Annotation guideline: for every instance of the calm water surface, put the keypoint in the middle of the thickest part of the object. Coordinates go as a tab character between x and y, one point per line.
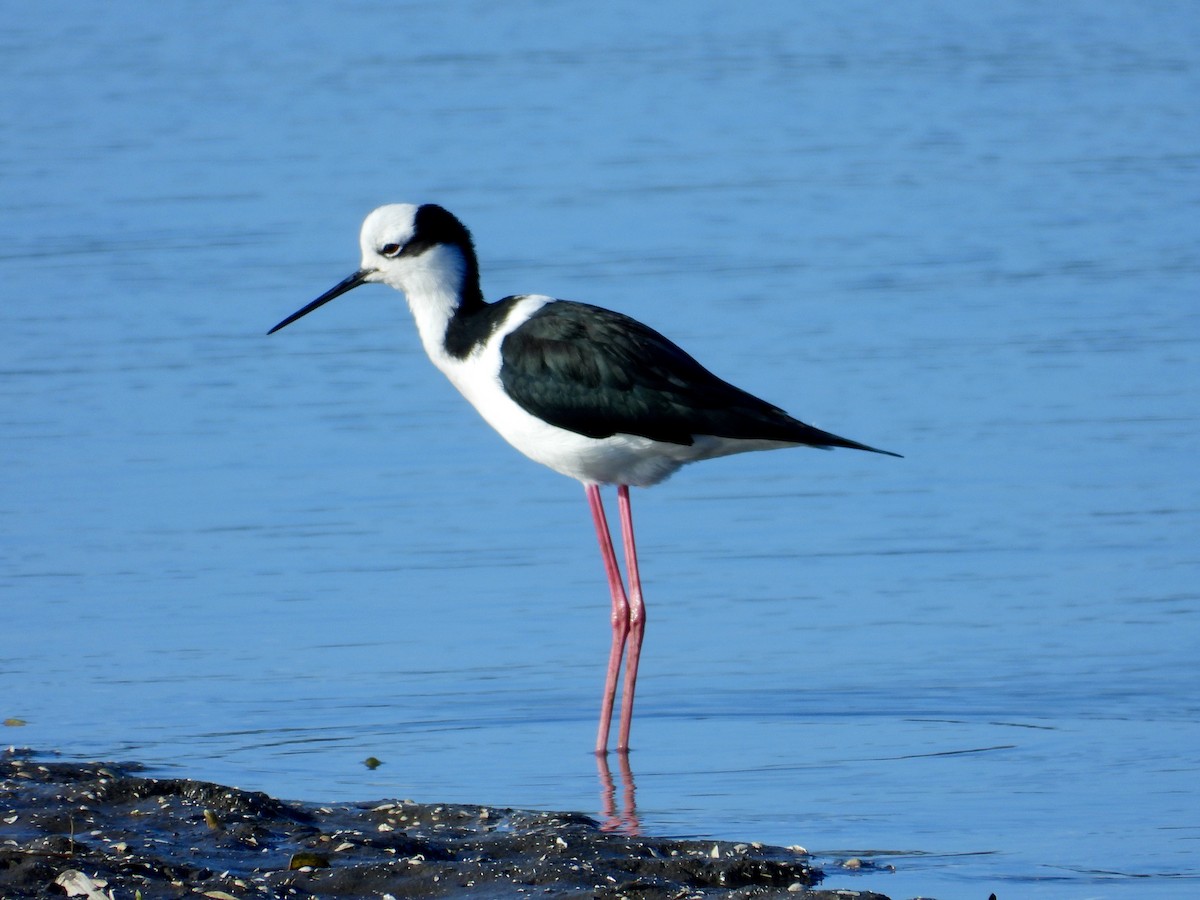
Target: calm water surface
969	236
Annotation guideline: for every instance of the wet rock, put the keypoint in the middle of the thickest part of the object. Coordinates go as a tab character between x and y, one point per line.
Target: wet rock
112	825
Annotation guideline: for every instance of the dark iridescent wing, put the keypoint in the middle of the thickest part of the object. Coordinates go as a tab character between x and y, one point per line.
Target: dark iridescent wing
599	373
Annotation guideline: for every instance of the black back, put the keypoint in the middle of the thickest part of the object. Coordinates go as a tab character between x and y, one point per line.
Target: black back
600	373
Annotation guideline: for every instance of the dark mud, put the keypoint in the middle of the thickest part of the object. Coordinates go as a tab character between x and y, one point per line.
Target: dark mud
104	830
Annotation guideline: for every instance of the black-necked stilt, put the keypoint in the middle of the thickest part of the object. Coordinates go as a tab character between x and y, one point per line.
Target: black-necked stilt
588	392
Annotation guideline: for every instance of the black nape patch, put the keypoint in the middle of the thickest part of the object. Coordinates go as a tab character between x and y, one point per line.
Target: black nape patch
433	225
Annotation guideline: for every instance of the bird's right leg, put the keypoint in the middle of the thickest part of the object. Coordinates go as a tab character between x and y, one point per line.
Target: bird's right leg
620	614
636	618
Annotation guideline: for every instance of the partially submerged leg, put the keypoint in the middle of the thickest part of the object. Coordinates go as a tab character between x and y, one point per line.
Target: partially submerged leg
620	618
636	618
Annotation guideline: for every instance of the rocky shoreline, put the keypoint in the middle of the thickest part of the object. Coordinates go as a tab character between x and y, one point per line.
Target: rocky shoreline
107	830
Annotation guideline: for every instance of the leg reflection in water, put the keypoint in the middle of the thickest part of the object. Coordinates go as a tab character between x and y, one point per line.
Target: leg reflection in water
625	822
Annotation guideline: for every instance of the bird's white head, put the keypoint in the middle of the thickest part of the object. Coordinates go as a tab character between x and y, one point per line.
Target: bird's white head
385	232
423	251
416	249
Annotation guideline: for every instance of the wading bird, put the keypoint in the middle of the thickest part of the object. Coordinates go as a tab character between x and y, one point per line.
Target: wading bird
589	392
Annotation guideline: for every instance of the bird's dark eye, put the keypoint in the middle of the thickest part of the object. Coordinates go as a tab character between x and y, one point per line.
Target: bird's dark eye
389	249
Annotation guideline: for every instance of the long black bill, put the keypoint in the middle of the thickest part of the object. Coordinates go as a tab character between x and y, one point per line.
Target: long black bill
346	284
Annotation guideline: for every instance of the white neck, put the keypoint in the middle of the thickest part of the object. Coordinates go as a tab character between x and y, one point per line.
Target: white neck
433	288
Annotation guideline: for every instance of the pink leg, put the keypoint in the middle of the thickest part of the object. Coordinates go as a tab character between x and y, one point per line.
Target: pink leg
637	618
620	614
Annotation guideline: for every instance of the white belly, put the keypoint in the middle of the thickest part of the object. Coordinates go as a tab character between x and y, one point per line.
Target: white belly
620	459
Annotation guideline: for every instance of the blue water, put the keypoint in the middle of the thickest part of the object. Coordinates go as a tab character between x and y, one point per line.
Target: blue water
966	234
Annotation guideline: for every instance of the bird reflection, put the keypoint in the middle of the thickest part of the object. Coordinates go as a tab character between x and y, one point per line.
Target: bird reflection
626	821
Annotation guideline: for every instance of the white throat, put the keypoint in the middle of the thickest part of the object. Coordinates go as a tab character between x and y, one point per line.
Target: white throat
432	284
